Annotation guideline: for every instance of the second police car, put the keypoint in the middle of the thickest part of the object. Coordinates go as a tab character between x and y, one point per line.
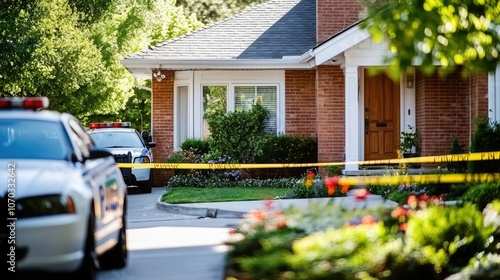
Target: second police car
127	146
63	200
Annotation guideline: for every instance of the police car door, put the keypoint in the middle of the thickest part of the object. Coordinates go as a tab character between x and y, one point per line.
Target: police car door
106	185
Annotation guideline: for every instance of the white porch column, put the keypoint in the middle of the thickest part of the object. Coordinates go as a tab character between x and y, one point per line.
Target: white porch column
352	135
494	95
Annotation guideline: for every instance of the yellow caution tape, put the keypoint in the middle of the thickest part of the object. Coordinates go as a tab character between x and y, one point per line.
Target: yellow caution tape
420	179
427	159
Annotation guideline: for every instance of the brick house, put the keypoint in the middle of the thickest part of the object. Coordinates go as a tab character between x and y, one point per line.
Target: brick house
308	60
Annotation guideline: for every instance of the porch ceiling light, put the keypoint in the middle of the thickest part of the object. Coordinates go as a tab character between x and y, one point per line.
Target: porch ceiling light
158	75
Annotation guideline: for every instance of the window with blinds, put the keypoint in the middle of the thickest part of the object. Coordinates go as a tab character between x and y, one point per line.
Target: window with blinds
246	96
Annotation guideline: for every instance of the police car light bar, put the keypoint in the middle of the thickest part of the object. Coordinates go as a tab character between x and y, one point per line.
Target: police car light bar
109	124
33	103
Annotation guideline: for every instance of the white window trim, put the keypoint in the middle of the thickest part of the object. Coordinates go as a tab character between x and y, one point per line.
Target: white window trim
176	110
231	79
231	100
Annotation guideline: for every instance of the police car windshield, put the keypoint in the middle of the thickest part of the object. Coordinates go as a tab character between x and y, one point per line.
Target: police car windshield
116	139
33	139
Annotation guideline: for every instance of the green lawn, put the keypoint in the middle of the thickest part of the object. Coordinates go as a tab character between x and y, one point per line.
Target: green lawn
194	195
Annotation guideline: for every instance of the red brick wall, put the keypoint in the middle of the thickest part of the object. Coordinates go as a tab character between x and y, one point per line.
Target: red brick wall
479	98
443	110
333	16
330	104
163	124
300	103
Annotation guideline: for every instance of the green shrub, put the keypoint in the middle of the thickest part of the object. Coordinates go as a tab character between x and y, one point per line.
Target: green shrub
288	149
237	135
482	194
457	148
197	146
486	138
197	180
447	237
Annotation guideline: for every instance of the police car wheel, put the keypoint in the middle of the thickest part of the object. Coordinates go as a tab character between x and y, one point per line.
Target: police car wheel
118	255
90	263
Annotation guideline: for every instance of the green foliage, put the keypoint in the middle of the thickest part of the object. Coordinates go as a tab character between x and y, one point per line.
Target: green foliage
199	181
448	237
410	142
455	33
198	146
333	170
486	138
327	244
211	11
457	148
70	51
482	194
288	149
238	135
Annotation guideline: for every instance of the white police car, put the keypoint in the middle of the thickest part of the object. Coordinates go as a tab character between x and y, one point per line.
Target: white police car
127	146
63	200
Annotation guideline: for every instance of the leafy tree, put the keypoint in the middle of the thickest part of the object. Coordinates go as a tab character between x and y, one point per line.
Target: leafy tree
210	11
70	50
451	32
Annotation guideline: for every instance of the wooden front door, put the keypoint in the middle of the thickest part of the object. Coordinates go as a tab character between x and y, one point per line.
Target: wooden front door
381	117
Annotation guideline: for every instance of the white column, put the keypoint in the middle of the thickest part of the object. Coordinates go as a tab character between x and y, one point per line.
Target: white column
494	95
352	134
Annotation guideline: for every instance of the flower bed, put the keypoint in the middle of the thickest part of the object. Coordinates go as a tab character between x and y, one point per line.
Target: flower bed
424	239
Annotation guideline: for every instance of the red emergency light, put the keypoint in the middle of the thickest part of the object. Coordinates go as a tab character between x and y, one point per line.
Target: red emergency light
109	125
32	103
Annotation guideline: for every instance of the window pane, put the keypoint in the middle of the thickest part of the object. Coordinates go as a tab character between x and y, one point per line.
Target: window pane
266	95
246	96
214	97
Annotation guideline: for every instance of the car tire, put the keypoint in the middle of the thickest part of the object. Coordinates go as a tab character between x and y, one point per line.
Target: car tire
118	255
148	185
90	264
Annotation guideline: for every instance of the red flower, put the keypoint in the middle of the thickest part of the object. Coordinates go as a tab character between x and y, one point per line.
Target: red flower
310	175
332	181
331	190
361	194
345	188
399	212
403	227
368	220
412	201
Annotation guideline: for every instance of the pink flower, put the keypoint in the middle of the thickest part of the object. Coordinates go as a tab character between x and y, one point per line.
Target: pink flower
361	194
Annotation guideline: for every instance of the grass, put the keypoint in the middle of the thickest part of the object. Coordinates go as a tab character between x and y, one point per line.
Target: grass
196	195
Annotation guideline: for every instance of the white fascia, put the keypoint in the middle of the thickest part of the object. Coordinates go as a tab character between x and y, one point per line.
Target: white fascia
339	44
329	50
142	67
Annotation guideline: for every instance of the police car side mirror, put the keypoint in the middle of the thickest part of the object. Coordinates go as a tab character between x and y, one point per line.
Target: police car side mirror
146	136
151	144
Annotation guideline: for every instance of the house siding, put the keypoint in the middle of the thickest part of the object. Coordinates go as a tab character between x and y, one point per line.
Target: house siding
333	16
163	123
446	108
300	103
330	103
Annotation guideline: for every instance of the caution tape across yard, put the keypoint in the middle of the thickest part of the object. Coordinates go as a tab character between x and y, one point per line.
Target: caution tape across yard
427	159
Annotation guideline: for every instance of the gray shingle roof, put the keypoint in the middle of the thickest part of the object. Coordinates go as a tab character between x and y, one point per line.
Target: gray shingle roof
271	30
